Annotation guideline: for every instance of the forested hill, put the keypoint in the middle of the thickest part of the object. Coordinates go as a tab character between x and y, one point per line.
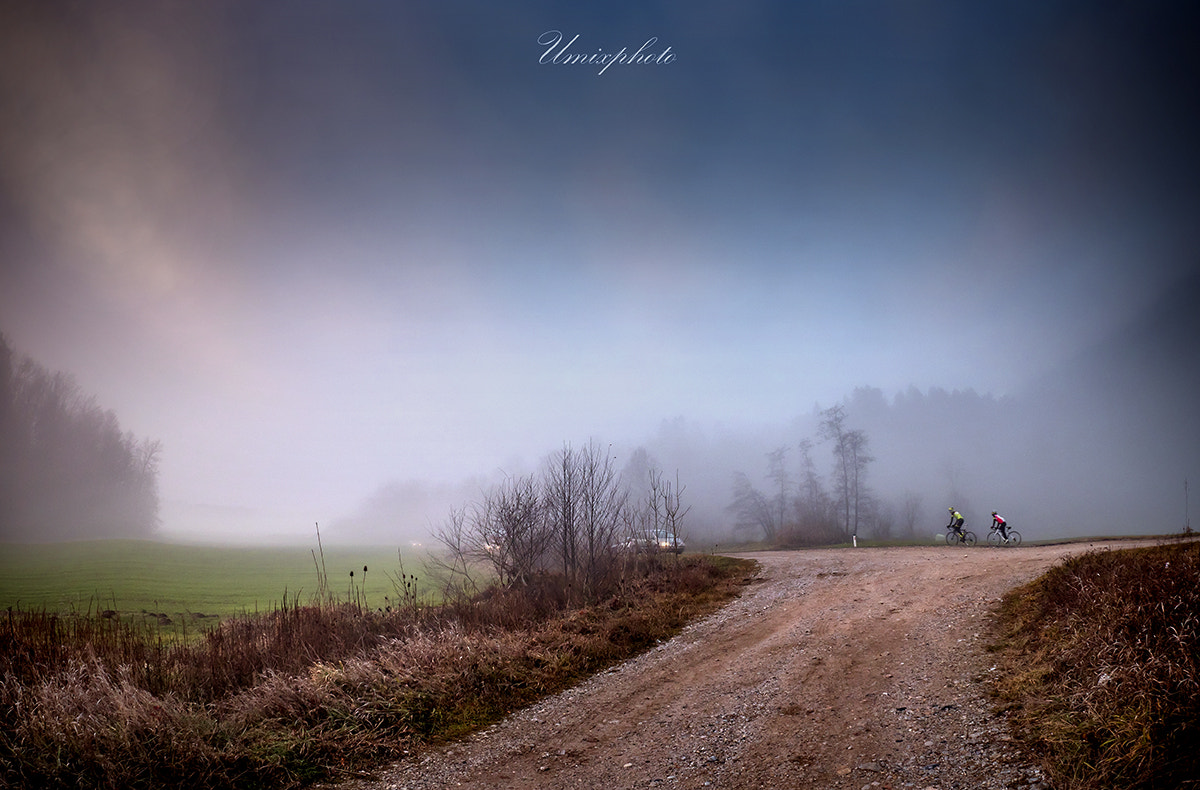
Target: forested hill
1101	445
1151	364
67	470
1128	409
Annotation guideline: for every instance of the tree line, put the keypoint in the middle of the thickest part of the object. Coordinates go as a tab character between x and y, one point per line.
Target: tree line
805	509
67	470
577	520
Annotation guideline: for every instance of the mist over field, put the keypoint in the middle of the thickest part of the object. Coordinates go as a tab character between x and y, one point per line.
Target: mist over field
351	264
1101	446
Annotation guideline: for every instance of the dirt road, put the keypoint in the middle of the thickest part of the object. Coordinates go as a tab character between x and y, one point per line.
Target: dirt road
845	668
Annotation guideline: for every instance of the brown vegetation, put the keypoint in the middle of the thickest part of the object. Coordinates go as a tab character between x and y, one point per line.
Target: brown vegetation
310	691
1102	668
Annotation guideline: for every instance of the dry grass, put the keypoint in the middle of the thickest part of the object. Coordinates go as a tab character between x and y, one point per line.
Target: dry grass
312	691
1101	660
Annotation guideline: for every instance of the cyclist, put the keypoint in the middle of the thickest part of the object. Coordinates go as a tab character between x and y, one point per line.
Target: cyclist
956	523
999	523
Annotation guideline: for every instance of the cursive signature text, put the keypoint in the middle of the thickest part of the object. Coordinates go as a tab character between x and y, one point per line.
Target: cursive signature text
558	53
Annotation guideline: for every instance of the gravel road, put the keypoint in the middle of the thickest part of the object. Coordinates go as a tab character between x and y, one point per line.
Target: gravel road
839	668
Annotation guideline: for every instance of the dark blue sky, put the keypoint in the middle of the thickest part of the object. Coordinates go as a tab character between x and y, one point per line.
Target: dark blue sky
389	224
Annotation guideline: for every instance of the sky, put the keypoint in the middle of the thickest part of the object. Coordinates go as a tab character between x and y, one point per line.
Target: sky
323	248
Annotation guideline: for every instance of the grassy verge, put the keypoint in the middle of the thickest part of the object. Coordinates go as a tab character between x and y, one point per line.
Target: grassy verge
313	691
1100	664
179	587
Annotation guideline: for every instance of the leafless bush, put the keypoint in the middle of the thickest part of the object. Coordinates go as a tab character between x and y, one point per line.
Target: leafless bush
571	524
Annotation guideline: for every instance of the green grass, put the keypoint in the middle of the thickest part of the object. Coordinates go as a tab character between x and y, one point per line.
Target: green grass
134	576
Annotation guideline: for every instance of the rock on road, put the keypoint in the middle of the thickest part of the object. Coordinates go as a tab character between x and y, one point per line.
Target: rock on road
836	668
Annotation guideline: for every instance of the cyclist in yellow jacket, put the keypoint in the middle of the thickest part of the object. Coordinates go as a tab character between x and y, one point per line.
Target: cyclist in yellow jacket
956	522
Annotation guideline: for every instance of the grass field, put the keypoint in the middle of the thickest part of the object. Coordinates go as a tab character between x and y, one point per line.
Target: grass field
187	581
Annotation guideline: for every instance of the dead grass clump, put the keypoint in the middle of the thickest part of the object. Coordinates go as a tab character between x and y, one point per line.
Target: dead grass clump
1102	668
86	727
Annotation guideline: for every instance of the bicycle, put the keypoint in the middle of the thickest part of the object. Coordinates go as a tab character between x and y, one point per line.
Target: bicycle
967	538
994	538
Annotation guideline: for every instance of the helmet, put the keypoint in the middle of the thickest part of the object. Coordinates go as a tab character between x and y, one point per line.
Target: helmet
950	509
993	512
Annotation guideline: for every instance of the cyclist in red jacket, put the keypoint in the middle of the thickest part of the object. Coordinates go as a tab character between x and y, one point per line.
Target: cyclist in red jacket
999	523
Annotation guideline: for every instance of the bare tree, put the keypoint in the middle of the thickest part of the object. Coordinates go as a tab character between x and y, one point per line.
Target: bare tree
562	491
513	530
879	517
850	455
602	500
815	515
637	471
777	473
751	509
454	567
654	502
673	510
506	532
585	499
833	427
571	520
910	510
856	441
660	511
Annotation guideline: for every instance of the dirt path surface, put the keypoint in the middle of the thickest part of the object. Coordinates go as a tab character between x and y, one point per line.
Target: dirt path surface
841	668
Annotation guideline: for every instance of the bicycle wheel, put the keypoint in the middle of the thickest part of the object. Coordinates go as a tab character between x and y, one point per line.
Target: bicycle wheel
951	538
969	538
993	538
1014	538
